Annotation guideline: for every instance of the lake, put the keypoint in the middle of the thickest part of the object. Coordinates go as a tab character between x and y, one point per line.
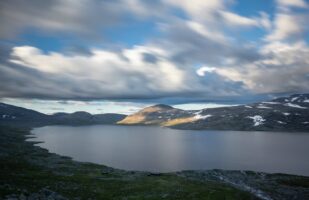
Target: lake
159	149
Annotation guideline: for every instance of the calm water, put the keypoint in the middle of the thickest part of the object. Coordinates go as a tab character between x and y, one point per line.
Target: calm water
163	150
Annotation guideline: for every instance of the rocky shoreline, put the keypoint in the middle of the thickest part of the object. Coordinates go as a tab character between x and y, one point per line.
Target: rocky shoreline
30	172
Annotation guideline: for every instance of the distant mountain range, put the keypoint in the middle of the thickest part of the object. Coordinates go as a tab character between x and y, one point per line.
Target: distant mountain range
13	115
281	114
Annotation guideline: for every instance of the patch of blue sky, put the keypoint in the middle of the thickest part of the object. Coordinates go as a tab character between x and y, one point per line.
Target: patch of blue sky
253	7
253	35
43	41
55	42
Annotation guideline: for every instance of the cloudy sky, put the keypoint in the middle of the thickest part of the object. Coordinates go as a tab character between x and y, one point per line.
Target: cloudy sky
120	55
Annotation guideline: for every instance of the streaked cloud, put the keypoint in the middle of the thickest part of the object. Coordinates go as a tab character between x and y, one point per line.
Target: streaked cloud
292	3
201	49
287	26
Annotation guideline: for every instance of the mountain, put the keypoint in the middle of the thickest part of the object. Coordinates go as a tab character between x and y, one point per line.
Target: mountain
13	115
281	114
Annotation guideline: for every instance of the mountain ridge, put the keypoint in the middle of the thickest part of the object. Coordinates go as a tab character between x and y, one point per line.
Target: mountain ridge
14	115
281	114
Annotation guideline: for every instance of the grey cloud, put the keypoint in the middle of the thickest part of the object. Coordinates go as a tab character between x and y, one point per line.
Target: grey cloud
188	46
77	50
222	85
150	58
282	69
79	17
73	17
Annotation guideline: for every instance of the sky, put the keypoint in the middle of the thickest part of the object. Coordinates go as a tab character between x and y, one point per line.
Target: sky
121	55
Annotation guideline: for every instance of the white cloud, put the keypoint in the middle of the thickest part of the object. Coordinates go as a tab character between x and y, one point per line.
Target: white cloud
292	3
235	19
213	13
286	26
203	70
198	9
214	35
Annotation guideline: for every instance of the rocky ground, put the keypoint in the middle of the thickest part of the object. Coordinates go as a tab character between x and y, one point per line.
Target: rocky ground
30	172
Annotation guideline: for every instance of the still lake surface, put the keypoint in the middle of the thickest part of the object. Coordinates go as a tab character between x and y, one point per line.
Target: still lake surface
164	150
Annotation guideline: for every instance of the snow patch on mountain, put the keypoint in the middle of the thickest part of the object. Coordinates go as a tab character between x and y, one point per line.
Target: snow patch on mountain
263	107
294	105
271	102
257	120
294	99
8	117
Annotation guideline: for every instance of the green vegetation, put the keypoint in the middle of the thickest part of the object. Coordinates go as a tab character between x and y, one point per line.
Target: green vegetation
296	182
